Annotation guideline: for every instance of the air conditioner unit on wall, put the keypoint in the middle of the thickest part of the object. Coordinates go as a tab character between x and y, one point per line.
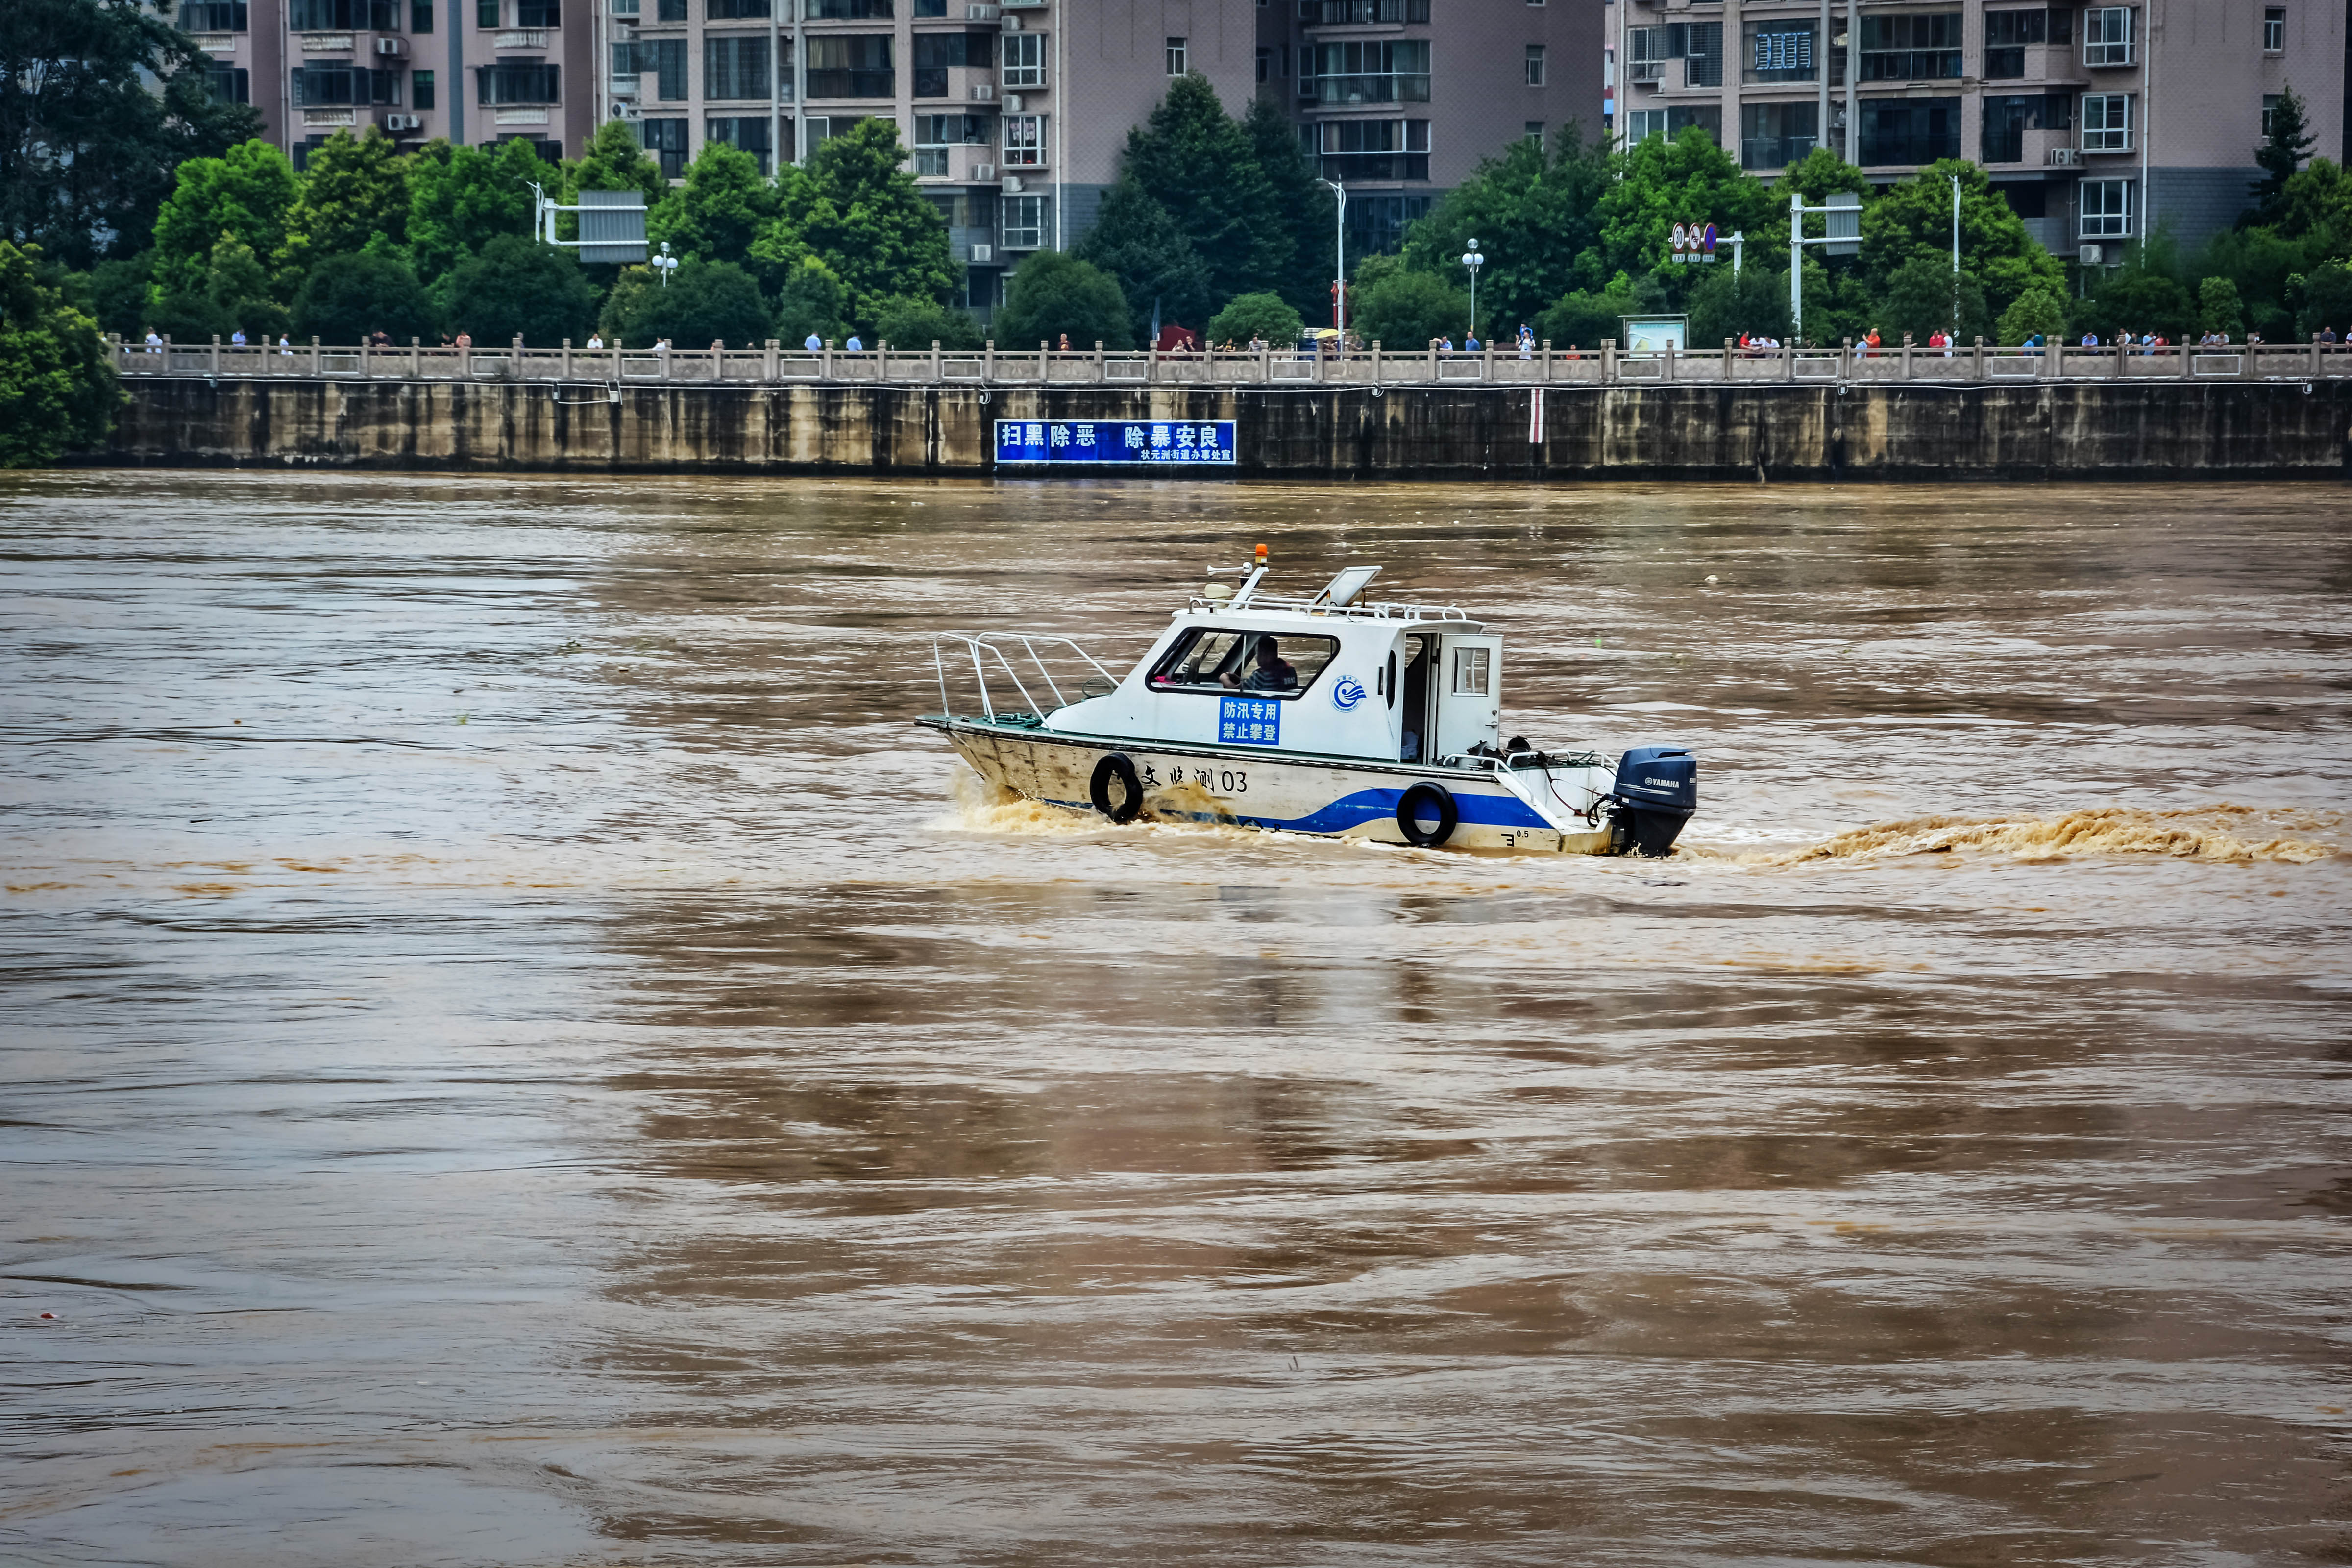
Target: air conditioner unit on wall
1012	185
2091	256
2066	157
1012	103
983	171
979	13
984	253
392	46
403	123
983	92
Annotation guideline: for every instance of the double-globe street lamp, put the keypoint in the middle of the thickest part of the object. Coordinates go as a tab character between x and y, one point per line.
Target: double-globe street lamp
665	263
1472	260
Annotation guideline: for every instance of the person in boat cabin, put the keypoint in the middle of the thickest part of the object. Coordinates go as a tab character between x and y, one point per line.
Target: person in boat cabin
1272	674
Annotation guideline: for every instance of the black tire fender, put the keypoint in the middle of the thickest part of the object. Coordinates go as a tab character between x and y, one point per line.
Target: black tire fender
1114	765
1436	800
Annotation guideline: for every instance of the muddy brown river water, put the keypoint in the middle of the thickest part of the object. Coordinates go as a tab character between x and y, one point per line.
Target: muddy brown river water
516	1052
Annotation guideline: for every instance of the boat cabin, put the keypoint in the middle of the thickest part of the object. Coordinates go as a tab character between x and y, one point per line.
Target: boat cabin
1329	676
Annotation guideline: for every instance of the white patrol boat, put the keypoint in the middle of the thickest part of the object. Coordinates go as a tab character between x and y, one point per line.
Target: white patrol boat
1328	715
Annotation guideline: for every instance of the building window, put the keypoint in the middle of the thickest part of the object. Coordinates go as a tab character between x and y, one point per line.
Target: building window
2106	209
229	84
1377	223
1024	141
1703	55
849	10
665	140
421	93
539	13
336	16
1369	149
625	7
2107	36
734	10
1910	130
486	14
2274	29
1024	60
1025	223
745	132
934	133
517	81
851	65
1778	51
665	58
420	16
735	65
2106	122
215	17
937	53
930	7
1264	64
1774	135
1176	66
2006	34
1920	46
1535	128
1361	13
1640	124
2269	107
2008	116
1367	72
1535	65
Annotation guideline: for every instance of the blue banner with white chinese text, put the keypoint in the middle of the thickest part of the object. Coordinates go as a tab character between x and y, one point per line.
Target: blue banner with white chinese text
1249	720
1114	441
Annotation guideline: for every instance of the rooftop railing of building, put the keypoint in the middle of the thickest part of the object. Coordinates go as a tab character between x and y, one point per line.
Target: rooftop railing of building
575	373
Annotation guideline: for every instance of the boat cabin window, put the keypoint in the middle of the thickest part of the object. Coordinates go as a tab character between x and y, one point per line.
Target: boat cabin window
1470	672
1275	664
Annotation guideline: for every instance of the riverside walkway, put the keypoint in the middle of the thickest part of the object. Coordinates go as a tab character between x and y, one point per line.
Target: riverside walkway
885	364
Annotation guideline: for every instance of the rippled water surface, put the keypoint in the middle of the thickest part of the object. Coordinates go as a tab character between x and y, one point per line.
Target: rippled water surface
517	1052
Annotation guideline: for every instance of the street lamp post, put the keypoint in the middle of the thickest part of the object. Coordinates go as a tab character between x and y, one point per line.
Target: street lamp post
665	263
1472	260
1340	238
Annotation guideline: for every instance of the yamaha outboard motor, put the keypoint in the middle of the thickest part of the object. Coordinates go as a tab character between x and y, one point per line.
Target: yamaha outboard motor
1657	790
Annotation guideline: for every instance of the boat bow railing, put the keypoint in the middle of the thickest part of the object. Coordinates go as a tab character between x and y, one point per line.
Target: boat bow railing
997	651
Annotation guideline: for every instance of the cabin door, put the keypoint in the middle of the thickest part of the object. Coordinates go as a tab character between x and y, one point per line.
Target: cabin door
1467	679
1415	712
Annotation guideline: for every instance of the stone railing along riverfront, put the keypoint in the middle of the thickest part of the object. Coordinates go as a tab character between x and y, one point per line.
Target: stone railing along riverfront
1606	365
1555	415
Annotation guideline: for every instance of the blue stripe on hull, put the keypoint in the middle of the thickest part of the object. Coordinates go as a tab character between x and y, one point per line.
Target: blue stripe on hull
1375	806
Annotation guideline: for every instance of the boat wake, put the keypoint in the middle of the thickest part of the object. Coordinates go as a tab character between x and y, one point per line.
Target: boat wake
2218	834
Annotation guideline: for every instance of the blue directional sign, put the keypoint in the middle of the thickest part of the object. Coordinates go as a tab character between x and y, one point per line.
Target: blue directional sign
1171	441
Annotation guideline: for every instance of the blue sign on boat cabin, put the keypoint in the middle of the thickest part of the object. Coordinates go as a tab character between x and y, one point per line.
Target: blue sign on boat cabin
1115	441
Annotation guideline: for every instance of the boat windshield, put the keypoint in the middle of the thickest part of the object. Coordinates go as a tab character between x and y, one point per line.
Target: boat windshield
1224	660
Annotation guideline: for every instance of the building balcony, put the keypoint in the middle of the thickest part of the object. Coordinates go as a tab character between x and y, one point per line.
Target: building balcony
1348	91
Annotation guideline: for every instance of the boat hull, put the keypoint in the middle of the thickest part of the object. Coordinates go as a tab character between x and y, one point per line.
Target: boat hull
1330	797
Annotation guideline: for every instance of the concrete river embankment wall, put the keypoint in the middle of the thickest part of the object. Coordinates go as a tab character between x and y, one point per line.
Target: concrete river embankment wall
2034	431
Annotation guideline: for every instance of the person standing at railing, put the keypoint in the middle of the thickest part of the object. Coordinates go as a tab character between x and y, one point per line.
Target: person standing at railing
1870	345
1065	344
595	341
465	341
155	342
236	339
855	344
814	344
1527	342
285	349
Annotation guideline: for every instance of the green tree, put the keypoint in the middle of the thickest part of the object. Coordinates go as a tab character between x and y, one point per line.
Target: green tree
1814	177
101	101
56	383
861	211
1052	293
612	162
355	197
2219	309
1262	315
1585	317
1302	202
2318	208
812	301
118	293
1534	217
1158	271
247	193
347	297
2326	300
914	323
234	291
1196	161
1924	296
2138	298
2038	312
1724	305
1914	217
1403	310
1660	183
721	209
515	286
2282	152
703	301
460	198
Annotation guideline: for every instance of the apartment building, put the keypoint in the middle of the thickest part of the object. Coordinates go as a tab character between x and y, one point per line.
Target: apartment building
471	71
1017	111
1399	100
2096	123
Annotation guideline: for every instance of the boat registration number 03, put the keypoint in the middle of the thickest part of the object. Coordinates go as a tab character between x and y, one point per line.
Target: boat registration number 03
1225	781
1249	721
1174	441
